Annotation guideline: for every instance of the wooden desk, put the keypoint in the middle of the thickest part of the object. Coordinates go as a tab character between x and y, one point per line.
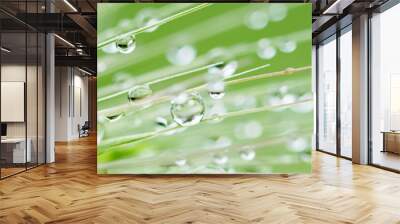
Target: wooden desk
17	150
391	141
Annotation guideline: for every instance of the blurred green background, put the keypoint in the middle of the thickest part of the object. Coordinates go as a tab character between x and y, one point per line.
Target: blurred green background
263	126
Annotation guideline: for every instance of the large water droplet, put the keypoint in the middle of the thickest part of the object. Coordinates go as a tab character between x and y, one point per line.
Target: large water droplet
220	159
216	90
114	117
126	44
287	46
265	49
180	162
257	20
139	92
187	109
277	12
247	153
182	55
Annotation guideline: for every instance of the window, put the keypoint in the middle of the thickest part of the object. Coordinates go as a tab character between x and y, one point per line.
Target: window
385	89
327	96
346	92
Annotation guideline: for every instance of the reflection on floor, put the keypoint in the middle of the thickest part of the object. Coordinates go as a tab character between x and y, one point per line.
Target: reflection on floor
70	191
387	159
8	170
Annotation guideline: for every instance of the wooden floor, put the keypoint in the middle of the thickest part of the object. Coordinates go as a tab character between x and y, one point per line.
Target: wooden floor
70	191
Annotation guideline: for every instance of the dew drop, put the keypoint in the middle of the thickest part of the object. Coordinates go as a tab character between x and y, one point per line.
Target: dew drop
248	130
224	69
257	20
216	90
216	118
216	112
220	159
283	89
151	22
265	50
126	44
124	23
182	55
277	12
298	145
274	101
139	92
288	99
287	46
187	109
245	101
247	153
217	53
180	162
101	66
161	121
110	48
147	18
223	142
304	107
114	117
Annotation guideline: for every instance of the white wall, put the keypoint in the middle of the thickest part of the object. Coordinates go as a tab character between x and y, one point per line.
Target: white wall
69	82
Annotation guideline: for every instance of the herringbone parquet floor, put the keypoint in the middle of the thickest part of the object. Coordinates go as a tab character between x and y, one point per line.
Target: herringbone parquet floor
70	191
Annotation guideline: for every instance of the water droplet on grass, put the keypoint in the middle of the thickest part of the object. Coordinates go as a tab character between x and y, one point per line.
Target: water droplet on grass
220	159
114	117
139	92
161	121
247	153
182	55
180	162
265	50
216	90
248	130
257	20
277	12
224	69
287	46
298	145
110	48
187	109
147	18
126	44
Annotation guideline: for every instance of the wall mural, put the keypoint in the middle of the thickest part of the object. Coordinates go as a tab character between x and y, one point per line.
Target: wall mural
204	88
